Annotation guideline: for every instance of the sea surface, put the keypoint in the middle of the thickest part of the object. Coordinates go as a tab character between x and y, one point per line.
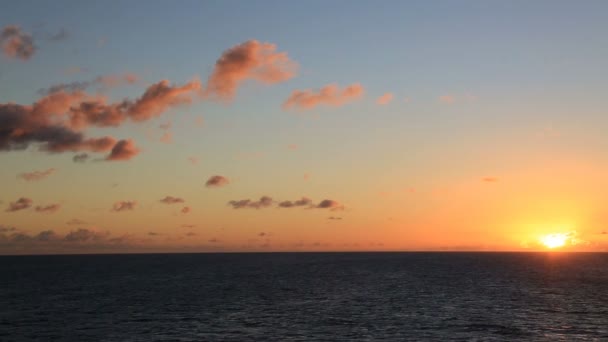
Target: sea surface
305	297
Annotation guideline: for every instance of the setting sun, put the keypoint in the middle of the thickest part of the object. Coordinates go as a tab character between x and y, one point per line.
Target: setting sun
554	240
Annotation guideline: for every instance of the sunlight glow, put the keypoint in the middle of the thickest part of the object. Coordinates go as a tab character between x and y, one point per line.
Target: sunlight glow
554	240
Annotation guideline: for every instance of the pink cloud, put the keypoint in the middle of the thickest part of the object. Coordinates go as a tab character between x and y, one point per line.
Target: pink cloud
385	99
217	181
172	200
123	150
448	99
21	204
490	179
36	175
55	121
16	43
249	60
185	210
329	95
124	205
51	208
167	138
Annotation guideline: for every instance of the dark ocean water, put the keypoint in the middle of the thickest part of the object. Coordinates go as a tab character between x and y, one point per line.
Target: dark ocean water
305	297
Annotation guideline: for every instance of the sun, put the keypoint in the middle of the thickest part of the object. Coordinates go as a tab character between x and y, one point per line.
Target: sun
554	240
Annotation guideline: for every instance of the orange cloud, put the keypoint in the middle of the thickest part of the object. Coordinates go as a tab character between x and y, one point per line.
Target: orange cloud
124	205
329	95
249	60
217	181
172	200
20	204
16	43
385	99
490	179
185	210
51	208
123	150
36	175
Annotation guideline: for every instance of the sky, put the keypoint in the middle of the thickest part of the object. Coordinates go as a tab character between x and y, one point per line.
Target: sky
230	126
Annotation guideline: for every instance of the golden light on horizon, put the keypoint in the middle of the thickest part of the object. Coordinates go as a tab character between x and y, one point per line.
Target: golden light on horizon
554	240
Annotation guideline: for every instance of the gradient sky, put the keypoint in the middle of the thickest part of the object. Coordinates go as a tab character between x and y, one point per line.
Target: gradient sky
393	125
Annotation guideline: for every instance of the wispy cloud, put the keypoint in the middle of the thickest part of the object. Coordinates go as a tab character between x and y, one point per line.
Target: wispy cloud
172	200
329	95
124	206
20	204
36	175
105	82
16	43
49	209
303	202
263	202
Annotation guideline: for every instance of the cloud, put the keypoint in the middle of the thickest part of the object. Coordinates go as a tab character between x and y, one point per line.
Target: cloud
217	181
20	204
124	205
76	222
304	201
251	60
62	34
193	160
490	179
36	175
51	208
157	98
263	202
16	43
6	229
329	95
330	204
123	150
55	122
385	99
167	138
107	81
185	210
80	158
188	225
448	99
153	234
334	218
172	200
84	235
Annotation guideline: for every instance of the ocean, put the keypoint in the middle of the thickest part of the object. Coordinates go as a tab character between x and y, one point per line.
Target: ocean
305	297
